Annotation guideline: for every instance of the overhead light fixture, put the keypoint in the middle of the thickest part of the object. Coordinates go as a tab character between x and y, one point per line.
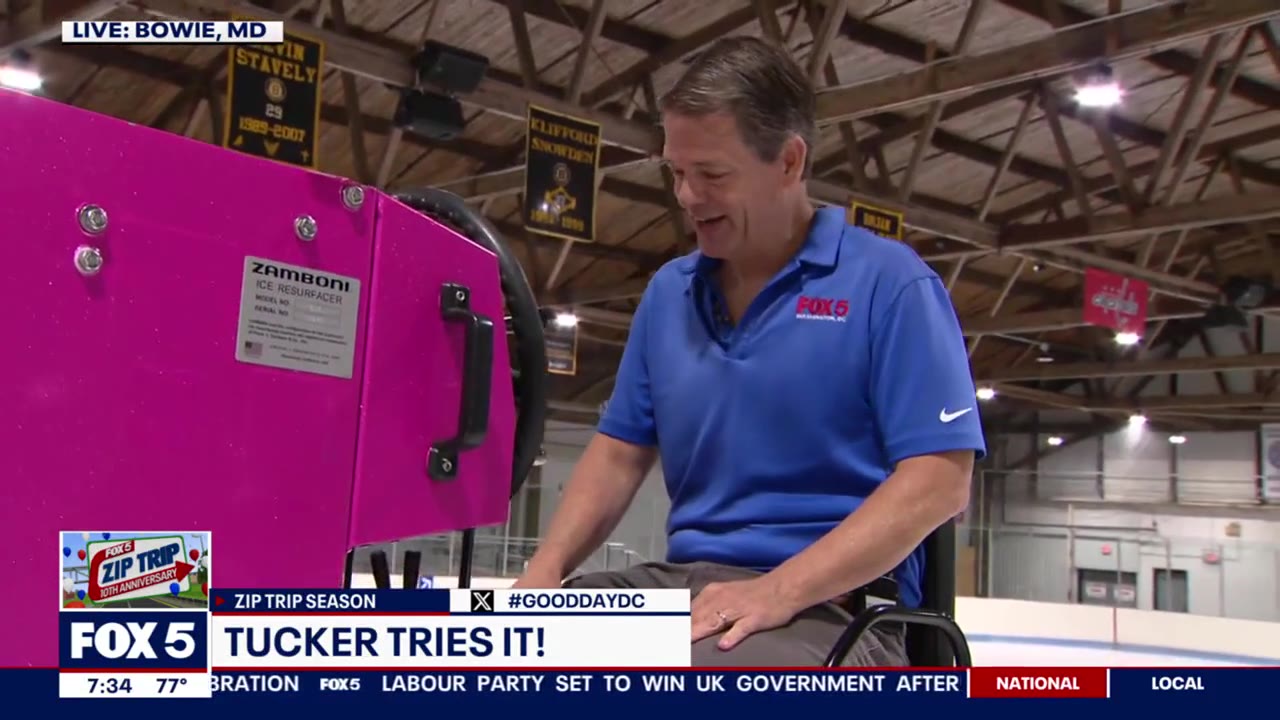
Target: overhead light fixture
1054	440
19	74
1224	316
566	320
1246	293
1044	356
986	393
1127	338
1177	439
1099	89
1137	420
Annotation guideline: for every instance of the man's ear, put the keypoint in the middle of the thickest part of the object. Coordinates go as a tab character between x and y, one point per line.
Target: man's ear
794	154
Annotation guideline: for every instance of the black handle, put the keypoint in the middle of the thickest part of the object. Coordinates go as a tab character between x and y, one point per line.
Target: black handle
477	377
529	370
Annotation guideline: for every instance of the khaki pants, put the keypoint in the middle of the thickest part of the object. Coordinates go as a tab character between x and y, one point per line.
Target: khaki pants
804	642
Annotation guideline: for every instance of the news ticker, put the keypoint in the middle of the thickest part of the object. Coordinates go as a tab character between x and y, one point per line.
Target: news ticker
172	32
686	686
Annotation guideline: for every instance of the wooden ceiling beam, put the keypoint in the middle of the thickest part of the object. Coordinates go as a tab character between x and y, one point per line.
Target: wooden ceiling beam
574	18
1164	218
1058	319
1075	48
41	22
1176	61
675	49
1208	153
391	65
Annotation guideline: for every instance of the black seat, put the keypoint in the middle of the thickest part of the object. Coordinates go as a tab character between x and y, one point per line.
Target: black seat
933	637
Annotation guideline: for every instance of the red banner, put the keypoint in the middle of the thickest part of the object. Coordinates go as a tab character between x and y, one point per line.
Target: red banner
1039	682
1115	301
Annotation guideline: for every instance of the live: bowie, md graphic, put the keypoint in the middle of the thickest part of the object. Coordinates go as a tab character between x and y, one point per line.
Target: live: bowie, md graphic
138	570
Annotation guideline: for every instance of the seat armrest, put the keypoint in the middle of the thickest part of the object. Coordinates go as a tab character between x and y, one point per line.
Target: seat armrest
877	614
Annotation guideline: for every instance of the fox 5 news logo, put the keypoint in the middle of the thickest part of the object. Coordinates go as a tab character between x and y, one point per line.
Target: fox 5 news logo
134	640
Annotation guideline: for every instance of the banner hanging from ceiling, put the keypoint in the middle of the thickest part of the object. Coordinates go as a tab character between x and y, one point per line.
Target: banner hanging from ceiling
562	160
1115	301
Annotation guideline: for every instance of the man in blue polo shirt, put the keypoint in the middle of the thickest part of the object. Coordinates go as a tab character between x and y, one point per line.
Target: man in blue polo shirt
804	383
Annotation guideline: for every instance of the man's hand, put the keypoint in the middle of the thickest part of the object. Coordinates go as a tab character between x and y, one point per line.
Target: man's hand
536	581
740	608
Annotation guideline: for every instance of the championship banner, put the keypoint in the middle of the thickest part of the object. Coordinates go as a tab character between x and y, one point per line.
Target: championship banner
1269	445
886	223
562	349
562	160
1115	301
274	98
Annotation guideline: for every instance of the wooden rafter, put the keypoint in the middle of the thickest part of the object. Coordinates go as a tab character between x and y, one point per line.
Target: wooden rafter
1070	49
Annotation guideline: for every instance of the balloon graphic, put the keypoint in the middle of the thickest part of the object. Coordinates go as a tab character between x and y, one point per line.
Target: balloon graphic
106	536
195	554
74	604
204	588
66	552
174	588
84	536
80	594
80	554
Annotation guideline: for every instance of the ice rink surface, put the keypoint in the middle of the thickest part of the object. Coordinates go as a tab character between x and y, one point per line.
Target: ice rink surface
996	651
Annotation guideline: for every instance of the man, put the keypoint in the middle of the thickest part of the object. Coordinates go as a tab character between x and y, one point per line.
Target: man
805	383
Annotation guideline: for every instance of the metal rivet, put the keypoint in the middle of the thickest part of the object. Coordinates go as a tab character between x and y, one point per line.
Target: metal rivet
353	197
305	226
460	295
93	219
446	466
88	260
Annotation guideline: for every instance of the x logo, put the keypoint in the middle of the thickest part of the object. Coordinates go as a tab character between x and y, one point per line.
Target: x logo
481	601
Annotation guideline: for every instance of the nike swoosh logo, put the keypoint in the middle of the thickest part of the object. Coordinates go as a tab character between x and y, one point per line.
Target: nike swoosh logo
947	417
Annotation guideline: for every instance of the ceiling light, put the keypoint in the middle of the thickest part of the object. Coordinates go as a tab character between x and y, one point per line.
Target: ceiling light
1054	440
1099	89
1137	420
1177	439
1127	338
1100	95
566	320
19	78
986	393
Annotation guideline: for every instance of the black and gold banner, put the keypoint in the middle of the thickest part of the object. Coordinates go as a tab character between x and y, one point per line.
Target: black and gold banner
273	99
561	162
887	223
562	349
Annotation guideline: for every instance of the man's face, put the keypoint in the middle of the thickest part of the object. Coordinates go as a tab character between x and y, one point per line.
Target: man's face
729	193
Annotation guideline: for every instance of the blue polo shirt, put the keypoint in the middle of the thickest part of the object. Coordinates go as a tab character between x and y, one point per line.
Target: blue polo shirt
771	432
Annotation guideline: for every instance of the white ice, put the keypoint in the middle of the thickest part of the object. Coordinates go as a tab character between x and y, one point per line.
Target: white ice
1025	654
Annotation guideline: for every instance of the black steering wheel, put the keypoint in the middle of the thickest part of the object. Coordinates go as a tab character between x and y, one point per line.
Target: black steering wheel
523	321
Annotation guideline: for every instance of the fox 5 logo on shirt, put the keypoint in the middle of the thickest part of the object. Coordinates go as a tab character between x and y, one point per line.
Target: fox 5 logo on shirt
133	640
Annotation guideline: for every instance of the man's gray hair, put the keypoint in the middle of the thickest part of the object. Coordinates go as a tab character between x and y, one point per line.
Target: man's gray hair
760	85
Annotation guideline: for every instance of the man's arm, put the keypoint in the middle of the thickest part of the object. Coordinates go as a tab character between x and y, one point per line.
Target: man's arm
922	395
922	493
602	486
611	470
